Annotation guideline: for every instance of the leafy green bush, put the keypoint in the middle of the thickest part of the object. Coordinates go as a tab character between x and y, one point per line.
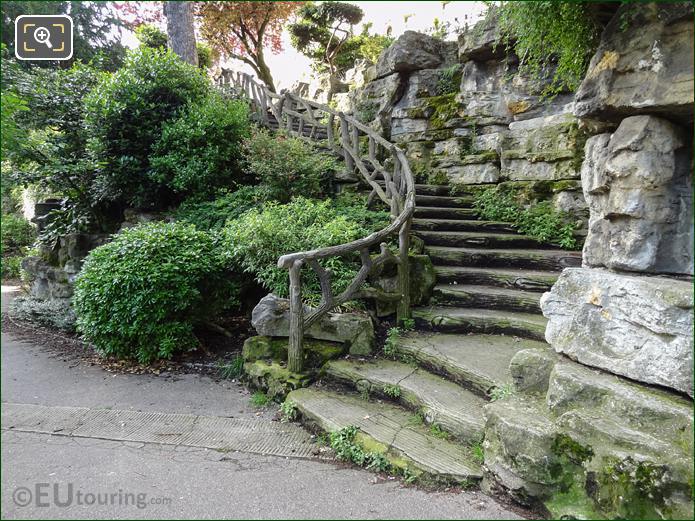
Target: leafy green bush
17	233
353	207
259	237
550	34
141	295
200	151
11	266
288	166
212	215
126	113
449	80
539	220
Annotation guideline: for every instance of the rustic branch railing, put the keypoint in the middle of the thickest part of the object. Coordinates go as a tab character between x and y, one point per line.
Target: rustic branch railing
383	166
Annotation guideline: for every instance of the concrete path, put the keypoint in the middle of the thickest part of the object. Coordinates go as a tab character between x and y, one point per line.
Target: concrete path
115	479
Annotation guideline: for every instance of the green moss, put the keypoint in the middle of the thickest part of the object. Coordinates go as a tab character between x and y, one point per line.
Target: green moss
489	156
444	107
316	352
274	378
575	452
572	504
437	177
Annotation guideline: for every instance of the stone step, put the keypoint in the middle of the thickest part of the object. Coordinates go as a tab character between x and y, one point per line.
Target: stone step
445	213
554	260
423	189
477	320
453	408
482	239
461	225
463	295
667	415
444	201
528	280
478	362
388	427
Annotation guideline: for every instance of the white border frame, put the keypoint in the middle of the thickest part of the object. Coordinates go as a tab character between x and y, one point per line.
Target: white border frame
72	34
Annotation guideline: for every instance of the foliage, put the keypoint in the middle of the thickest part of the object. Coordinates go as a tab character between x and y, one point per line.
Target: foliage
259	237
233	369
11	266
289	411
288	166
547	33
243	30
353	207
201	150
393	391
437	431
390	345
372	45
539	220
449	80
212	215
12	135
478	452
324	33
501	392
51	313
126	114
17	233
408	324
259	399
153	37
140	295
96	31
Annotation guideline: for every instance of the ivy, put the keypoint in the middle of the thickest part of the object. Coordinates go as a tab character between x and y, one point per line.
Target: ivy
547	34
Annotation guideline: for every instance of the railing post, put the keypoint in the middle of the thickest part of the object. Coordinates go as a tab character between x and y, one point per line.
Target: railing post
403	310
345	143
294	352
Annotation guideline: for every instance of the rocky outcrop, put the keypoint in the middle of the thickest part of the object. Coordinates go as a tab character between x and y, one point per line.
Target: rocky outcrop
638	184
638	327
646	68
270	318
412	51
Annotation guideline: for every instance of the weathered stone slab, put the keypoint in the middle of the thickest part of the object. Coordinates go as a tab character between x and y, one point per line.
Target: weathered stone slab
646	68
373	104
638	184
482	41
270	317
634	326
472	174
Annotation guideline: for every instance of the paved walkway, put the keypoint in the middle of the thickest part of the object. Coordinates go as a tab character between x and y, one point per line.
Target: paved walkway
136	476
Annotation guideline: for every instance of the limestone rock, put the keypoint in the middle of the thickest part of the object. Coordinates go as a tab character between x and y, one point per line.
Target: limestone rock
374	103
482	41
316	352
474	173
270	317
422	281
412	51
634	326
531	368
638	185
274	378
646	68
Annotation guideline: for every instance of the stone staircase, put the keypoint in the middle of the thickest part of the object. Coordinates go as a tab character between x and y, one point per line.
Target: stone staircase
426	398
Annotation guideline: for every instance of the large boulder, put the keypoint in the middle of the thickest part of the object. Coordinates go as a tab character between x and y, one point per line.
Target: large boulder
644	69
482	41
638	185
271	318
374	103
412	51
635	326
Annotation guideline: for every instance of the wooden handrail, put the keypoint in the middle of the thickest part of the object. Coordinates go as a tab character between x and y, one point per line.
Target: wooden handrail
384	168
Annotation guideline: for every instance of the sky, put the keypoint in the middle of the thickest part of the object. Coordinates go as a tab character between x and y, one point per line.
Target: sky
290	66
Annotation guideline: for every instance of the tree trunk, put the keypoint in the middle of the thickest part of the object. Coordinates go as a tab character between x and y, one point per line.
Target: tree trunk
180	30
264	71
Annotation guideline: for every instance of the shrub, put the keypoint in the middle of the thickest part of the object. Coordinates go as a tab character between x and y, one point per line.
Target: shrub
11	266
51	313
539	220
353	207
212	215
259	237
200	151
288	166
17	233
126	113
141	295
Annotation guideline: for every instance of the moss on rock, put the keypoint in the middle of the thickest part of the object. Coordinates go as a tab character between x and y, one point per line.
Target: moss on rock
274	378
316	352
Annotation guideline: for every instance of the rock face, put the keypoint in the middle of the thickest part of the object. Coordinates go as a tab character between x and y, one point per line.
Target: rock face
647	68
271	318
639	189
638	327
411	52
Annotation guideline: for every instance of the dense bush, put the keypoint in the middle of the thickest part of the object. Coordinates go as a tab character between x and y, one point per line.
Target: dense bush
126	113
11	266
200	151
539	220
212	215
141	295
288	166
17	233
259	237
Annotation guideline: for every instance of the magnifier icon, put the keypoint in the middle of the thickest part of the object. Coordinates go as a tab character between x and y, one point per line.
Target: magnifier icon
42	35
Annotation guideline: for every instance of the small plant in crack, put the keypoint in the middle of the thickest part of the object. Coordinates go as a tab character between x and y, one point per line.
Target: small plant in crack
289	411
408	324
391	343
233	369
259	399
438	432
416	419
477	451
392	391
499	393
